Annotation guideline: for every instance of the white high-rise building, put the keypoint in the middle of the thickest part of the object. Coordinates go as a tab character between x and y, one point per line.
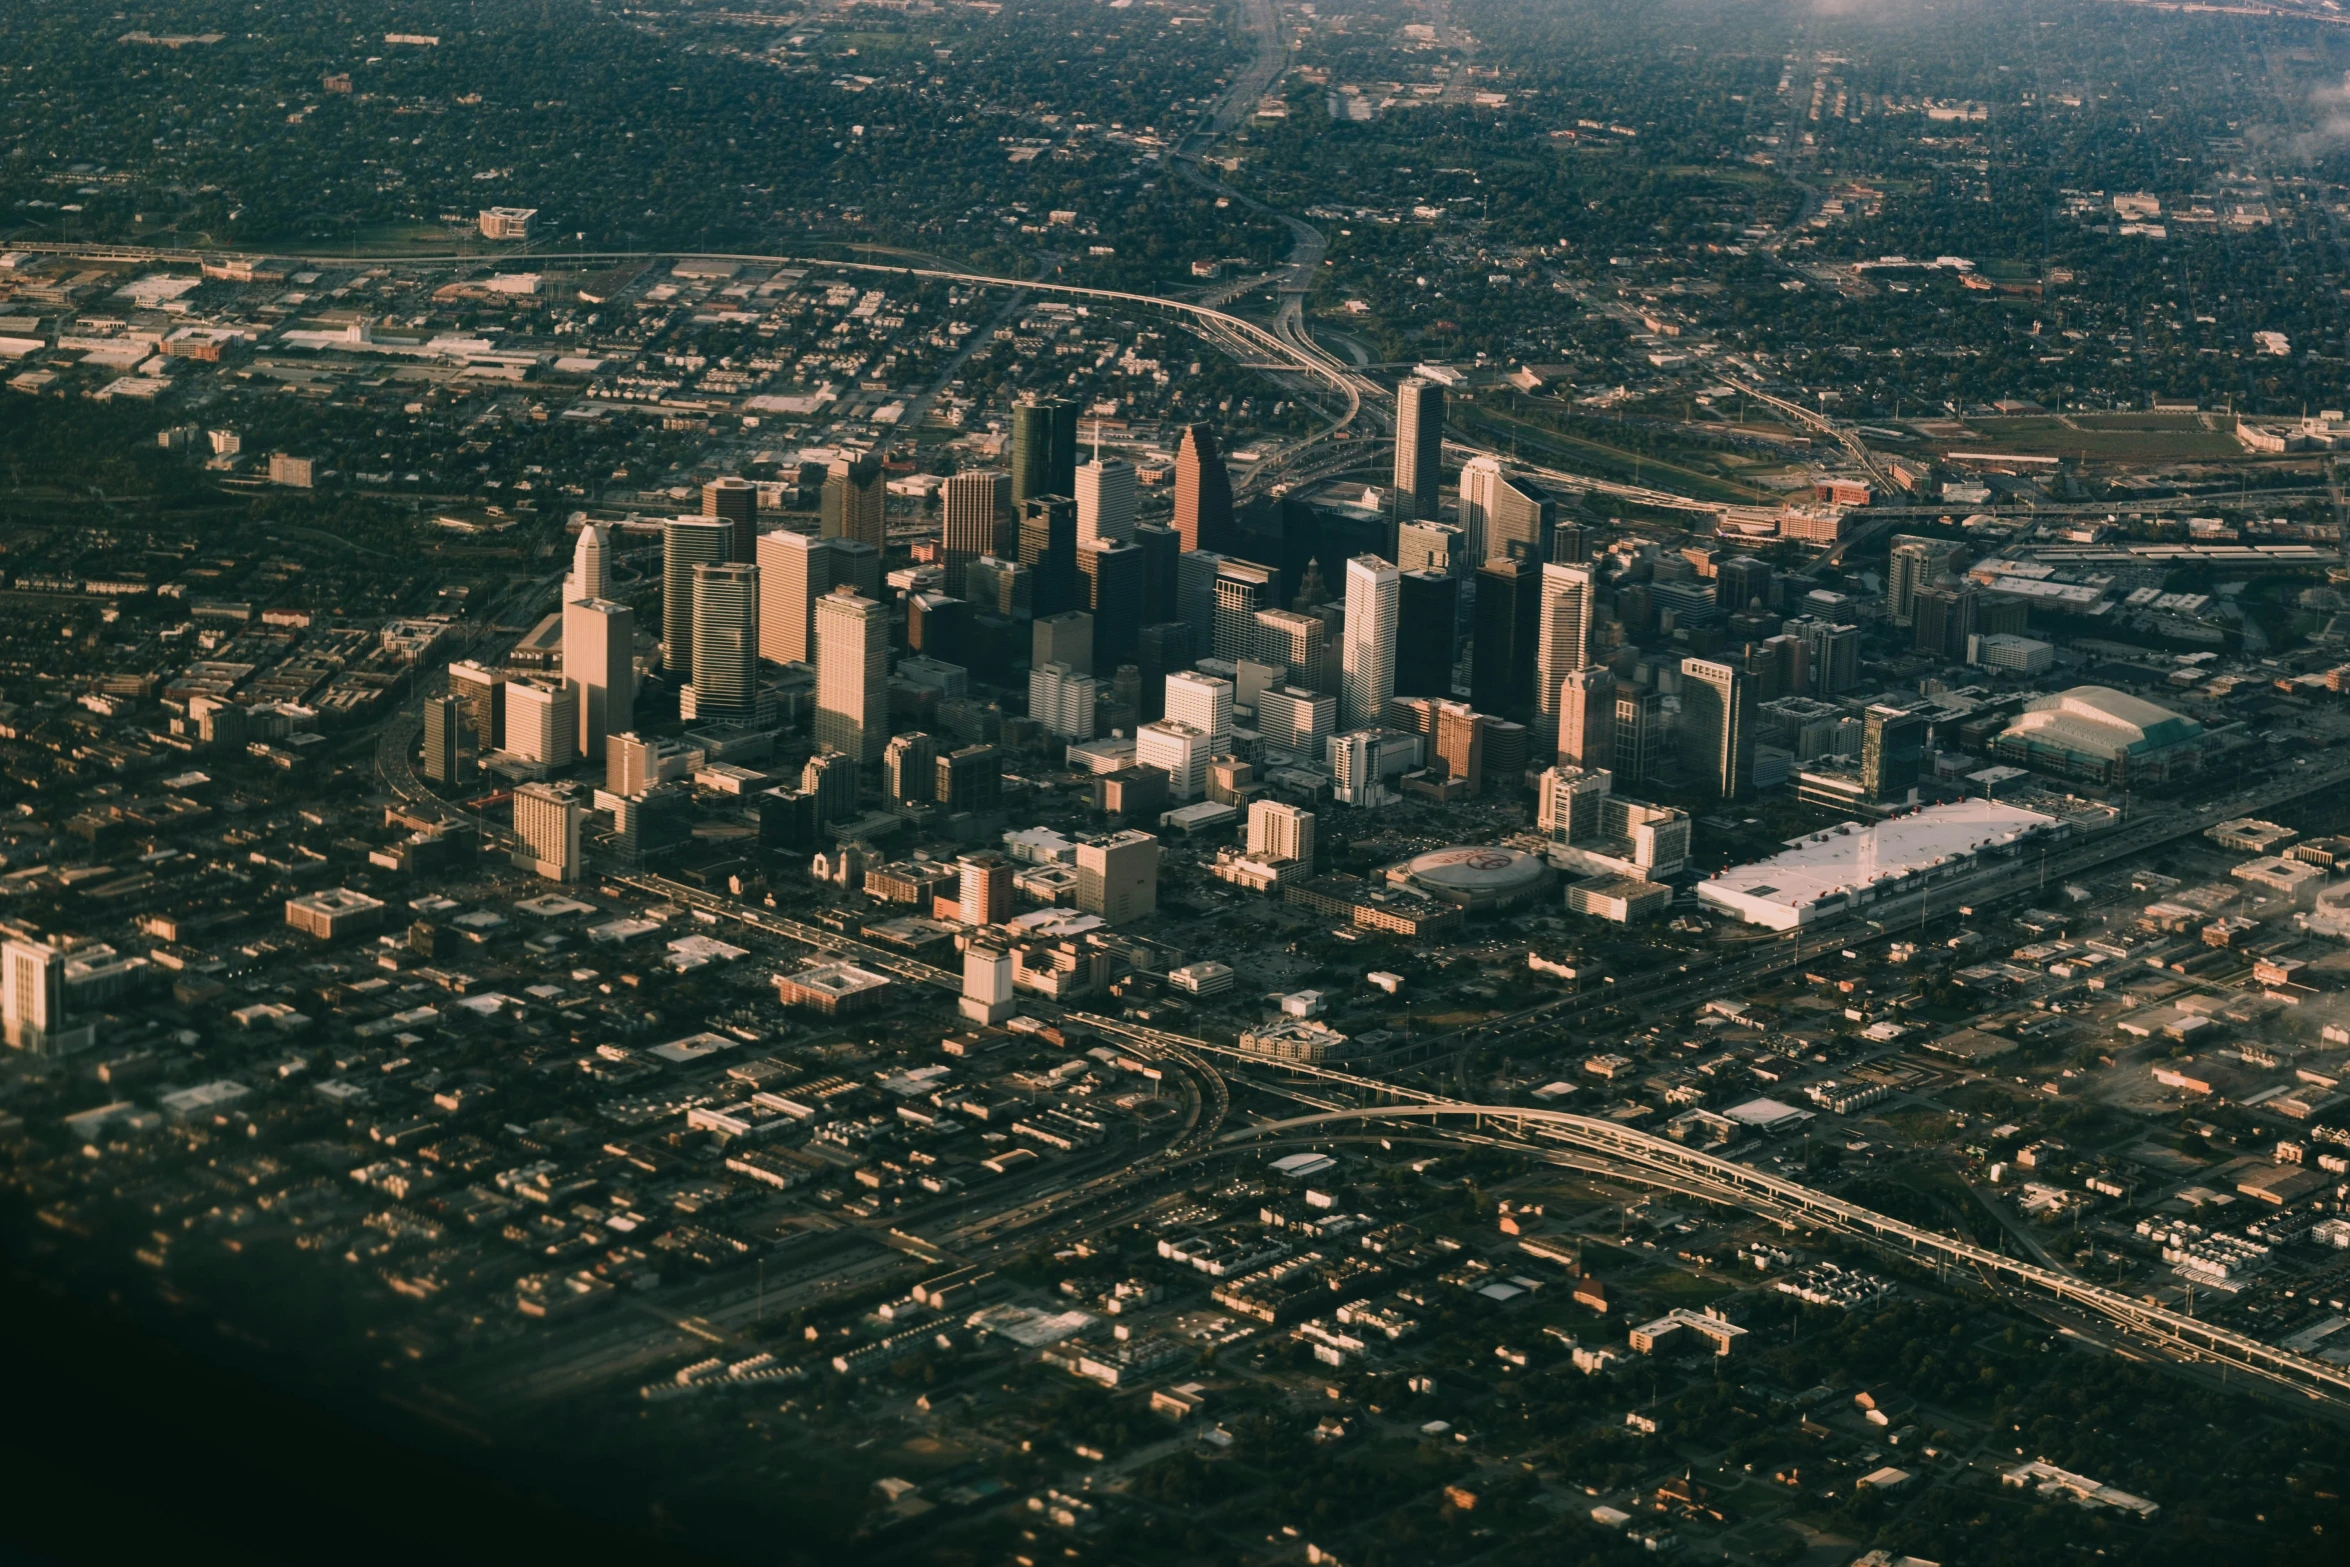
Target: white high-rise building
1367	669
1419	447
1118	875
1587	717
1357	767
599	637
591	565
547	819
1480	478
987	984
32	996
686	542
1062	700
1177	749
1278	831
795	570
1106	501
542	721
1562	635
1297	721
726	643
852	672
1205	703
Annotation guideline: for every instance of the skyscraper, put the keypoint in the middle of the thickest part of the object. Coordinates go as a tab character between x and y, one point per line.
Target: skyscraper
1717	726
973	507
1501	669
1419	447
794	572
542	721
547	819
591	565
1297	721
1562	636
1203	490
1892	753
1911	564
1162	556
1520	516
444	722
1110	584
1587	718
1118	875
1479	477
1367	668
1742	582
1061	700
852	671
1832	657
1277	831
1943	617
908	764
735	502
1044	448
854	503
1048	547
1106	500
1066	638
686	542
1296	644
599	640
726	643
1639	711
1427	633
32	996
1241	588
1431	546
1205	703
481	694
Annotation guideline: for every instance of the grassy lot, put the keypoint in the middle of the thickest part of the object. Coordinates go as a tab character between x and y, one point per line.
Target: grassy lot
2089	438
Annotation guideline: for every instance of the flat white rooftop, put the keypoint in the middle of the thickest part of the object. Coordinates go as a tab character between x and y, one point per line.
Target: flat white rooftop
1830	871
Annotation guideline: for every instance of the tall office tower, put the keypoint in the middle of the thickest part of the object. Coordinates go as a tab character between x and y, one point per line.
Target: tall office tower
973	507
971	779
1427	633
908	763
547	819
1520	517
1587	718
1106	501
939	627
1195	597
599	665
858	564
1109	581
1639	713
444	727
1242	587
832	779
1562	636
1431	546
1743	583
1297	721
1789	661
632	763
983	888
1062	701
1159	652
1479	477
1419	447
32	994
735	502
852	672
795	570
1457	741
726	644
1572	802
542	721
1892	753
1358	769
1118	875
1203	490
591	565
686	542
1717	726
1280	832
1205	703
1569	545
480	693
1162	556
1832	658
1177	749
1048	547
1003	588
1367	665
1911	564
1296	644
1501	658
987	984
1044	448
1944	617
854	503
1066	638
